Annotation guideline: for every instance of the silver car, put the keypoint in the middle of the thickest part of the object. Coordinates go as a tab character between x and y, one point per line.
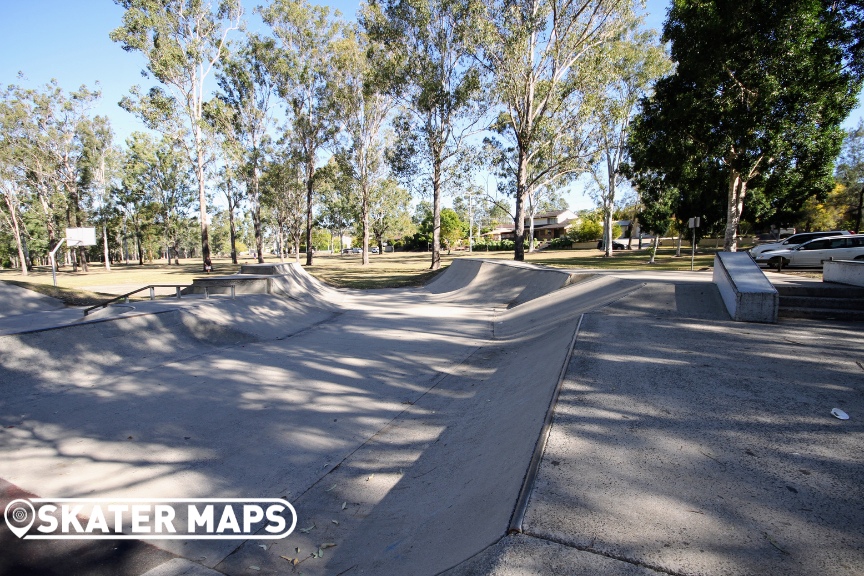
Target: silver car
793	241
814	253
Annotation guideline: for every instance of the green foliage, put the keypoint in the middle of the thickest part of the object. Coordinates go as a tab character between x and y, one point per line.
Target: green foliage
588	230
755	103
850	173
453	228
493	245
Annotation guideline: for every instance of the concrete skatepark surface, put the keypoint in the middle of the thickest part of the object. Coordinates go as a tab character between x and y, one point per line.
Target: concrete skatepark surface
683	442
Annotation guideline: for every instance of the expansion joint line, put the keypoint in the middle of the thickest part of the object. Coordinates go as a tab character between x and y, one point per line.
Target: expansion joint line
592	550
528	482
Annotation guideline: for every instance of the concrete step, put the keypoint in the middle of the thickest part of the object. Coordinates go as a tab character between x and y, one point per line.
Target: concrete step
820	289
821	313
833	303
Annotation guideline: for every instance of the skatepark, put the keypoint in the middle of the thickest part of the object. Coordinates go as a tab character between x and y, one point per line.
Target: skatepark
503	419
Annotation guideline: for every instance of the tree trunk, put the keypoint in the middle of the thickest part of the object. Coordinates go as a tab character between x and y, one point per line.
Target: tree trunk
436	215
737	190
310	172
656	244
607	232
105	248
16	232
364	216
202	203
256	215
860	207
519	217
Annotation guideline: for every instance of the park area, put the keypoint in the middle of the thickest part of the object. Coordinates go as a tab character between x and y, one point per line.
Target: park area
389	270
495	418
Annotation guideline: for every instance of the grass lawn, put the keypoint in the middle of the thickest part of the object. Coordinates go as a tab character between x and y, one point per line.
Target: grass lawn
345	271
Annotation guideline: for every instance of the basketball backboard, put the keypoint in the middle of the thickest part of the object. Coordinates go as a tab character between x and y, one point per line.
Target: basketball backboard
81	236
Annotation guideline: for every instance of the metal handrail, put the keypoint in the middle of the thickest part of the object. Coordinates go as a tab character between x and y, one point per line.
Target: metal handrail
152	288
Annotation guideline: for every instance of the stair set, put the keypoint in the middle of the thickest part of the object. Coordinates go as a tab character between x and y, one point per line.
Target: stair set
825	301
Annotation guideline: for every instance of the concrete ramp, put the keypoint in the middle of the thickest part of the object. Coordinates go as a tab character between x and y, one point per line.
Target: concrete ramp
294	282
15	300
497	283
563	305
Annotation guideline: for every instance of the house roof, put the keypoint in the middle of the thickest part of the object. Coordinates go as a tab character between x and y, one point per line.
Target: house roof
554	214
564	224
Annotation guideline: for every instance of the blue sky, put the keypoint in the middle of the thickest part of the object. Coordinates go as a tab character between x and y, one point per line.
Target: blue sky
68	40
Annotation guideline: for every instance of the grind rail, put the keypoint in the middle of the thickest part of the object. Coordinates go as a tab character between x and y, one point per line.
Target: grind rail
152	287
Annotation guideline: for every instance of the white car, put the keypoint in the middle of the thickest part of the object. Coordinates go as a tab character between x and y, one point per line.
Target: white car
815	252
793	241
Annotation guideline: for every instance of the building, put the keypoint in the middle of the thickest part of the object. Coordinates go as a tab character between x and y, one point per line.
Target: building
547	225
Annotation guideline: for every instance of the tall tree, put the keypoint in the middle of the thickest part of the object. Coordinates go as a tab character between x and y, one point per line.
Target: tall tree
543	56
284	196
389	215
305	65
850	173
229	186
363	107
244	117
182	41
631	64
427	52
759	92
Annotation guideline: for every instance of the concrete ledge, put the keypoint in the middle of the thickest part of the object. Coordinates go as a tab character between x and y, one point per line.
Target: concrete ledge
844	272
747	293
243	284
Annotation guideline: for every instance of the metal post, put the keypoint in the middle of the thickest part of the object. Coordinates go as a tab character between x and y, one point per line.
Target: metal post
232	292
54	261
206	293
177	288
693	249
152	293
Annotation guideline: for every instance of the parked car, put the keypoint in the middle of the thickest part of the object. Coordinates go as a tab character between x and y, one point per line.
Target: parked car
815	252
356	250
373	250
616	245
346	250
793	241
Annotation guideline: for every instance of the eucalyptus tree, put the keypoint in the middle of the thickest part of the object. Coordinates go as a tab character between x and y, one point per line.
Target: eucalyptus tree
157	179
759	92
182	41
284	197
389	212
850	173
12	177
543	57
337	199
427	55
242	113
53	137
227	183
305	67
363	107
100	168
630	65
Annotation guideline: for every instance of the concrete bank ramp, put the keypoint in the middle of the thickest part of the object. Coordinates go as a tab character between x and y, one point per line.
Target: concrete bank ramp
15	300
564	305
294	282
497	283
